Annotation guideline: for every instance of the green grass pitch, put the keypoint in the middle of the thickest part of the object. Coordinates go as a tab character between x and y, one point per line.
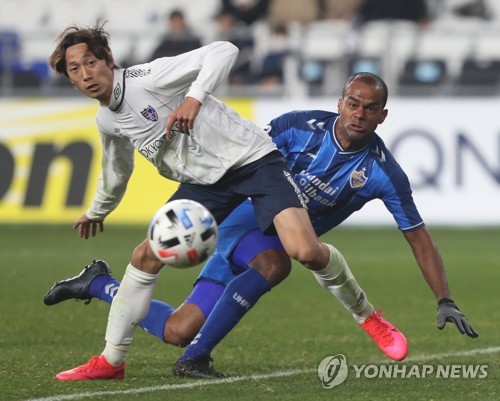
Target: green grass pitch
274	352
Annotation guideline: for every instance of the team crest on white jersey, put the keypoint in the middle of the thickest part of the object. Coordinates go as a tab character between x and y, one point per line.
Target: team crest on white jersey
150	114
358	179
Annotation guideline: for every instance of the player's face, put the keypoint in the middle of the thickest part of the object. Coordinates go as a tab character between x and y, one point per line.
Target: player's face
92	76
361	111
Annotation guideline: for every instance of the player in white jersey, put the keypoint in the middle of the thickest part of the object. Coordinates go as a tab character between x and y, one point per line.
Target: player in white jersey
165	111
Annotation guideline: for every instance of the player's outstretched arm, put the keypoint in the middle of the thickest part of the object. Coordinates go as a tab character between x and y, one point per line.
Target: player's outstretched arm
87	227
430	262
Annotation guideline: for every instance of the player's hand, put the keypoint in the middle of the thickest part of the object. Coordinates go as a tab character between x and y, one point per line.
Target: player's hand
182	118
88	226
449	312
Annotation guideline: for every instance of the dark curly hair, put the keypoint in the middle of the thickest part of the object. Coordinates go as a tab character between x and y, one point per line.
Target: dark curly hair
96	38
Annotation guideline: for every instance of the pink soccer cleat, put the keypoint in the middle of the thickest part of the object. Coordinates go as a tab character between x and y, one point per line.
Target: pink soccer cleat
96	368
388	338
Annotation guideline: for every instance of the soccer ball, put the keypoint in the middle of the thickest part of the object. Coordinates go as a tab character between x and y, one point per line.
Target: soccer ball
182	233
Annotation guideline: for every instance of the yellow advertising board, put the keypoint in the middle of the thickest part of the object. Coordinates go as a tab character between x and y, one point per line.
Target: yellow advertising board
50	159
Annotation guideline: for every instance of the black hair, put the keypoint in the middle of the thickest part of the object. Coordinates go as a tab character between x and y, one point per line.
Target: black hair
370	79
96	38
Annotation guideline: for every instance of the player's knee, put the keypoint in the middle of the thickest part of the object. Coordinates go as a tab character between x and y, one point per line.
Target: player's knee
274	265
144	259
314	256
303	254
278	272
179	334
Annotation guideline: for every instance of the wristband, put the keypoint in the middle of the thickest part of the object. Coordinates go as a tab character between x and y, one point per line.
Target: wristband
445	301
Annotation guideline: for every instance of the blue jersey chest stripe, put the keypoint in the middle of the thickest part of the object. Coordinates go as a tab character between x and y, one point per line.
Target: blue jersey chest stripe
339	182
307	153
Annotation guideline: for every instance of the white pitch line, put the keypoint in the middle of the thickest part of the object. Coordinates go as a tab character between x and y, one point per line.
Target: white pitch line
211	382
176	386
471	352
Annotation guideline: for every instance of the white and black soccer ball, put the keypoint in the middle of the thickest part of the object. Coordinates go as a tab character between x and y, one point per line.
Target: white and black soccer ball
182	233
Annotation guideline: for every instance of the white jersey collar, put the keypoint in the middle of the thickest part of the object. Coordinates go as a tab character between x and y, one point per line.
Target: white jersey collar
118	90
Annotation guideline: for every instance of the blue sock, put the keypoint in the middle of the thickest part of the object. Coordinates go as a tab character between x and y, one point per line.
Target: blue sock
239	297
105	289
154	322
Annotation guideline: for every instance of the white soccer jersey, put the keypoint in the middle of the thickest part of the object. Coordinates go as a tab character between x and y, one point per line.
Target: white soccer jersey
144	96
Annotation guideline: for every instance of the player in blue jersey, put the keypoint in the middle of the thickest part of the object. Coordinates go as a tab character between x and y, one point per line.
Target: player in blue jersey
340	164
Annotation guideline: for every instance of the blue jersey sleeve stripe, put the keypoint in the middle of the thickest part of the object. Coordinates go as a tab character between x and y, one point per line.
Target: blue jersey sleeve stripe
413	228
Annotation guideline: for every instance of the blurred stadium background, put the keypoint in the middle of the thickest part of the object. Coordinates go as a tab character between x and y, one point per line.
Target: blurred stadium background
449	47
440	58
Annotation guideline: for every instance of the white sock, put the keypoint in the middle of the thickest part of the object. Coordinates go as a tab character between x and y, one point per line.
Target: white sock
115	354
337	278
130	305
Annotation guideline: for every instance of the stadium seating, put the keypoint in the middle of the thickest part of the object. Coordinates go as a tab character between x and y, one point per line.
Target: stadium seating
479	77
422	76
450	52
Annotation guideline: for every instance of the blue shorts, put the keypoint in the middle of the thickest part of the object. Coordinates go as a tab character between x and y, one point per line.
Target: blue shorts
267	182
240	240
205	295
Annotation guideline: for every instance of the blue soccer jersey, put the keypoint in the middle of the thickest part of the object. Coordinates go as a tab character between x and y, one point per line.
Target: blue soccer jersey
335	183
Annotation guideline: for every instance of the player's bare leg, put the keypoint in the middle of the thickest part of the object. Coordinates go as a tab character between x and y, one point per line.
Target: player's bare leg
183	325
299	239
265	270
294	227
187	320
